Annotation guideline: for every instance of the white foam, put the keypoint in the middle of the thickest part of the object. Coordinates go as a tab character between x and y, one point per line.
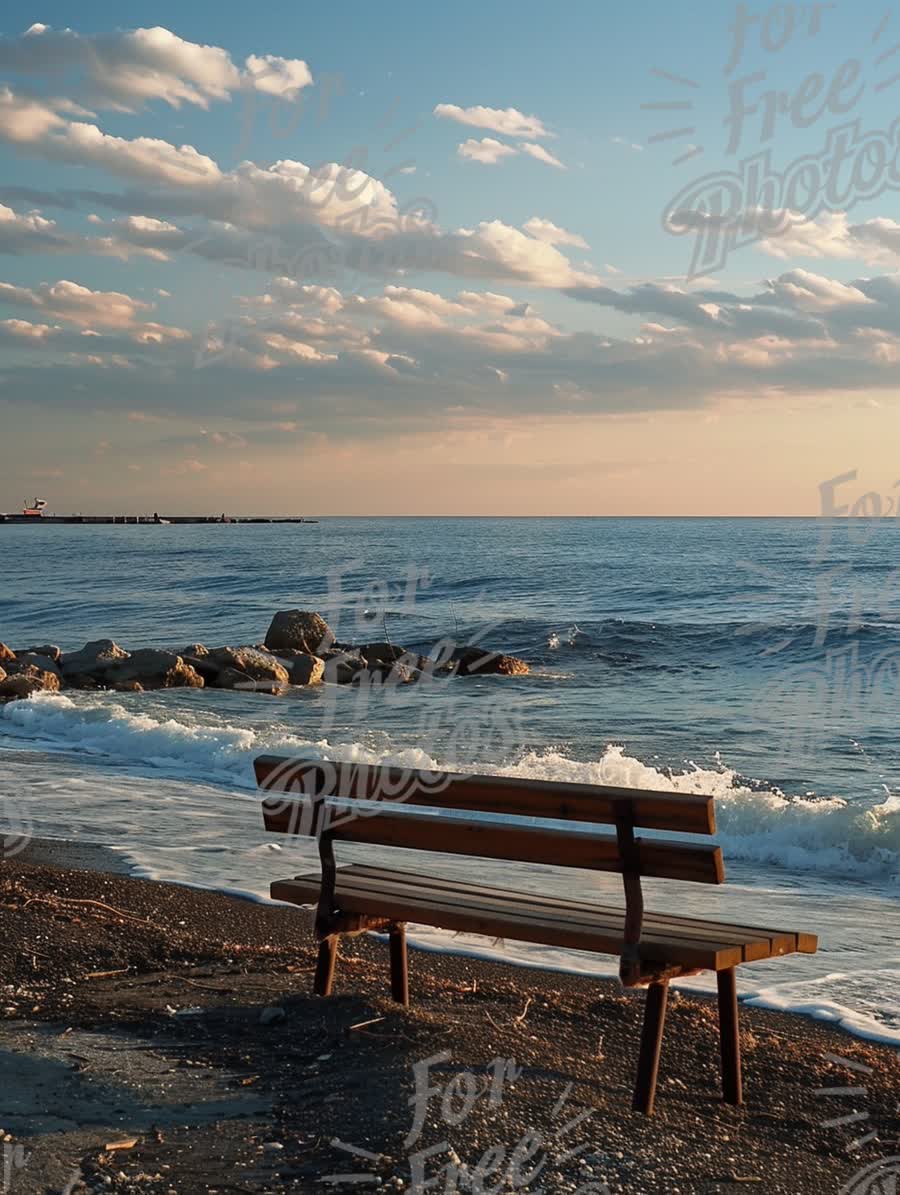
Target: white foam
224	753
825	836
828	836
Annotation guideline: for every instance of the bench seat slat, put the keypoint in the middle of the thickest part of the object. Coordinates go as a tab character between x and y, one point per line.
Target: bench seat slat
576	925
389	826
758	942
687	813
506	924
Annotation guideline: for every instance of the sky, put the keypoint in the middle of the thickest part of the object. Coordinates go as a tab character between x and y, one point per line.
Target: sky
470	259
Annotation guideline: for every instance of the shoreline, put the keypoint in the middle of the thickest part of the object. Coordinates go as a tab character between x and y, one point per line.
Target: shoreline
105	967
93	856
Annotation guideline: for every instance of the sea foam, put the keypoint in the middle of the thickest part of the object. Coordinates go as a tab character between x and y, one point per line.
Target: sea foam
828	836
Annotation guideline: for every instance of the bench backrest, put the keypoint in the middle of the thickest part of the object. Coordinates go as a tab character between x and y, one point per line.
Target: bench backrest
317	797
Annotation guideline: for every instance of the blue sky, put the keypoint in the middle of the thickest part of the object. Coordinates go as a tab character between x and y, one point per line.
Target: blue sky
168	328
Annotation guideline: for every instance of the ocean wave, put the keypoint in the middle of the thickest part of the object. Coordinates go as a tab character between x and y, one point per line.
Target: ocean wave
830	836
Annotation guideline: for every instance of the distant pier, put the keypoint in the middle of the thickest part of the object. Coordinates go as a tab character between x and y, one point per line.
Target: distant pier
154	520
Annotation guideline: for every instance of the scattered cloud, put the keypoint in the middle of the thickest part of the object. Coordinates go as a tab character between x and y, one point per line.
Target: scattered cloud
126	69
508	121
543	155
488	151
546	230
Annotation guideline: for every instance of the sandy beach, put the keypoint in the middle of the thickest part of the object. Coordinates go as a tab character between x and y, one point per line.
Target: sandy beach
160	1038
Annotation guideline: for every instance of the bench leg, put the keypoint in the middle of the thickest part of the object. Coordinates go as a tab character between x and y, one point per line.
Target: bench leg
651	1044
324	980
729	1037
399	965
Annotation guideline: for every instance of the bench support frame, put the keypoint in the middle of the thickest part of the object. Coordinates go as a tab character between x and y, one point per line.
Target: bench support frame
629	851
729	1037
324	978
651	1046
399	964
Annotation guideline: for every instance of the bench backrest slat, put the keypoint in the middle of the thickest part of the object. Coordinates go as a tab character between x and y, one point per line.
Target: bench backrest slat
498	795
401	809
398	827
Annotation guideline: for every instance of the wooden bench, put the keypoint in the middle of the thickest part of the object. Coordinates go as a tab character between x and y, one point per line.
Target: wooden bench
321	799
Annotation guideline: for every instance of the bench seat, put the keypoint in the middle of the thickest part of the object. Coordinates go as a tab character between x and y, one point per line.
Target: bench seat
673	941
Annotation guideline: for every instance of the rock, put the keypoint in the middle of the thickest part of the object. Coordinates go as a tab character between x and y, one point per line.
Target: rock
23	684
385	674
231	678
128	686
204	667
92	662
6	653
50	650
195	650
478	661
382	653
154	669
33	659
301	629
2	674
306	670
342	667
250	666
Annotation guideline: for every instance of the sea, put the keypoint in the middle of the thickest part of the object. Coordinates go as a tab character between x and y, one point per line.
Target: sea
756	659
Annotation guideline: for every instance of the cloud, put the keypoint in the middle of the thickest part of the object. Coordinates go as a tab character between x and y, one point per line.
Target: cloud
125	69
72	303
326	361
38	126
543	155
273	218
141	236
282	77
831	235
546	230
508	121
488	151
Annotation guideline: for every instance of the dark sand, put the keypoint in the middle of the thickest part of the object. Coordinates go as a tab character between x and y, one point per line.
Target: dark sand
135	1012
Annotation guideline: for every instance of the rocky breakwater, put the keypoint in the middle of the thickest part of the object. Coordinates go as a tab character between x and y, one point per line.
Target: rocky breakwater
299	650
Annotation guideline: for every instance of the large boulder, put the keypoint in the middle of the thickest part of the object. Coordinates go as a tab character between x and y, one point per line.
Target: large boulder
247	668
305	670
153	669
91	664
50	650
478	661
30	680
32	659
195	650
6	653
302	629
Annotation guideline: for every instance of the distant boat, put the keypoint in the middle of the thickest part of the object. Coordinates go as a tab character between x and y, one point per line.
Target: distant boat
35	510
